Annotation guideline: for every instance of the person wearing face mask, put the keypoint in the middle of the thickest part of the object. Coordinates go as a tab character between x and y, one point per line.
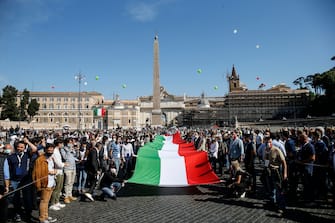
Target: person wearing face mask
44	177
17	165
69	156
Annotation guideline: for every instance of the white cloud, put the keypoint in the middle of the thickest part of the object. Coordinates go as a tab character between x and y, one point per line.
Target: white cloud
143	12
146	11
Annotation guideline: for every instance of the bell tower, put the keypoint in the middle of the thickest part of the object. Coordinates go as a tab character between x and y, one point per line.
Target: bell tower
234	81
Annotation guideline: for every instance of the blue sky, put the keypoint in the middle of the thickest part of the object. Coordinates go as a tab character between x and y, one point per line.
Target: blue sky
45	43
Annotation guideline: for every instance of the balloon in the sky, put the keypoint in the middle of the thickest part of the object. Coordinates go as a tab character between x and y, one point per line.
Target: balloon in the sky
258	46
199	71
124	85
216	87
235	31
85	83
257	78
96	77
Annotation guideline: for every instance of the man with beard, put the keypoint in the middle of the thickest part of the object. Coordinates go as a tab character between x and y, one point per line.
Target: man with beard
44	177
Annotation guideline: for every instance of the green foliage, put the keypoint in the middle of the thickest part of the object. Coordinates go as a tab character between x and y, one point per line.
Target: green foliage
14	111
299	81
324	88
9	106
33	108
24	100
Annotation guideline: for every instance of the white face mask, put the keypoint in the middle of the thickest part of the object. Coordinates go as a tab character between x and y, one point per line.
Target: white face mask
7	151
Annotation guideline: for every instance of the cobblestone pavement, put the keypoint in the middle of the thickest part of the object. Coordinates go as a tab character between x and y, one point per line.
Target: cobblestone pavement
207	203
138	203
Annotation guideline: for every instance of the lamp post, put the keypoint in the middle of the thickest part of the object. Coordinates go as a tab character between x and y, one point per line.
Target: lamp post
79	77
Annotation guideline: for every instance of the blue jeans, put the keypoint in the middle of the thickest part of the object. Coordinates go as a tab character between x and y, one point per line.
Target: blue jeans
82	179
117	162
277	196
109	190
27	196
227	162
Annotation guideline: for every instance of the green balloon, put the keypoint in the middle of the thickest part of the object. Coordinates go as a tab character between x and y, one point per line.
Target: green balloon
199	71
124	85
216	87
97	77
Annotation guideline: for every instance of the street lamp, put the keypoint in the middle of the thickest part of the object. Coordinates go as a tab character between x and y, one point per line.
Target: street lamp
79	77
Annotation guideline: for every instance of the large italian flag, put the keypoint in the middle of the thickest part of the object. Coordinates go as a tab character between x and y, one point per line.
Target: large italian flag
169	161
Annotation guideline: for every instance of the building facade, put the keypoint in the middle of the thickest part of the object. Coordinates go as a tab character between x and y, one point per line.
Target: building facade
58	109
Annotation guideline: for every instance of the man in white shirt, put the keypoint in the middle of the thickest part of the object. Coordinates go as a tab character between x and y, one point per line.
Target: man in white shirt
59	168
127	153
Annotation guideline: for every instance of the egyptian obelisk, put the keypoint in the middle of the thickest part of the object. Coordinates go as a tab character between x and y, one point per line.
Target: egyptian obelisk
156	99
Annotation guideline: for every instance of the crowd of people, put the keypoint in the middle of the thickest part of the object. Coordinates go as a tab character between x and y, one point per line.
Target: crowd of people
49	169
45	170
297	164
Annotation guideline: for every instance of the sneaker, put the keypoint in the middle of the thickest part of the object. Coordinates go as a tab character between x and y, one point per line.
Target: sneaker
17	218
67	200
72	198
51	219
89	196
60	205
54	207
242	195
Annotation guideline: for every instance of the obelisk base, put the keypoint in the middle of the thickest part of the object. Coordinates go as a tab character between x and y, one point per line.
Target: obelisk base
156	117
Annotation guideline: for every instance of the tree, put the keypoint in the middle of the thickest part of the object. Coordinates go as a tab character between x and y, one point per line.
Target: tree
24	100
328	83
33	108
9	106
299	81
324	85
309	80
